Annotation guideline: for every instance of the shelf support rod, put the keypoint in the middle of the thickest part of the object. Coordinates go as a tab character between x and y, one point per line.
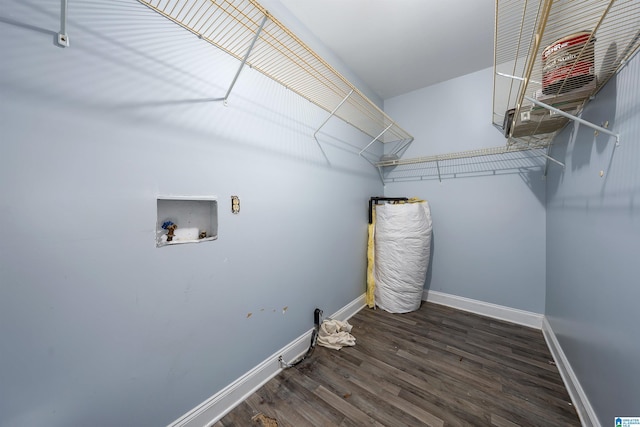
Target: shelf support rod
378	168
375	139
368	145
509	76
331	115
574	118
63	38
545	155
438	166
246	56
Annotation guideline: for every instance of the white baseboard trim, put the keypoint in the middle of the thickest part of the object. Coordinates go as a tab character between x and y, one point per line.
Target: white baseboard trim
220	404
579	399
501	312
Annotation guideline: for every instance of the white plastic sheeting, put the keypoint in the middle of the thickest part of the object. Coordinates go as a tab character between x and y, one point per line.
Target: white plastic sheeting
402	251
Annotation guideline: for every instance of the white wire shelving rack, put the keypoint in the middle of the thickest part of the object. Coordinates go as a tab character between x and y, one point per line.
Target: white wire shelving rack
542	76
484	161
523	30
248	32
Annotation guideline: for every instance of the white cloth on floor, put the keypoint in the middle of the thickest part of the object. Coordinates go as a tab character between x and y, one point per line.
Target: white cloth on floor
335	334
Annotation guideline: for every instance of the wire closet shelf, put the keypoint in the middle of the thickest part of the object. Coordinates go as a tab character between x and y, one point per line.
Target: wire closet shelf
552	57
248	32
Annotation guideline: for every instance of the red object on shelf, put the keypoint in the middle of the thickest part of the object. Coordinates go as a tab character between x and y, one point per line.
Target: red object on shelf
568	63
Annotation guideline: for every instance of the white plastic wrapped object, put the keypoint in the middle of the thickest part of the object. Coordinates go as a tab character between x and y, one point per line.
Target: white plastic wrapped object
402	250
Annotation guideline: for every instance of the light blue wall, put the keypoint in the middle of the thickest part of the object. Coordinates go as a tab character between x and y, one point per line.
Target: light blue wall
99	327
488	227
593	248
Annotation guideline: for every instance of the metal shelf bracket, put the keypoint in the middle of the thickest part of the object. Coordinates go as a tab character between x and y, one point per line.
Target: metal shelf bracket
246	56
331	115
574	118
315	134
379	169
63	38
520	79
375	139
548	157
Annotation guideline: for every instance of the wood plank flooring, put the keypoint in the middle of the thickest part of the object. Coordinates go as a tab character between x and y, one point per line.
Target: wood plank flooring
434	367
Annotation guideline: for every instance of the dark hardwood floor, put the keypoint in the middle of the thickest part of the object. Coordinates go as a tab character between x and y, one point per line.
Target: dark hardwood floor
434	367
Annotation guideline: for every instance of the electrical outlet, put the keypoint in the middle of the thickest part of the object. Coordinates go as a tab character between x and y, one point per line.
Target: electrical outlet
235	204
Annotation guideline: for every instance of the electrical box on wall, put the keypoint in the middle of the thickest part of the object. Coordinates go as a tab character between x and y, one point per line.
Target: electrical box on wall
186	219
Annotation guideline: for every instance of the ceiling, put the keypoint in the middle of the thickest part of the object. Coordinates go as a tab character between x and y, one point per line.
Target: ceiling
397	46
